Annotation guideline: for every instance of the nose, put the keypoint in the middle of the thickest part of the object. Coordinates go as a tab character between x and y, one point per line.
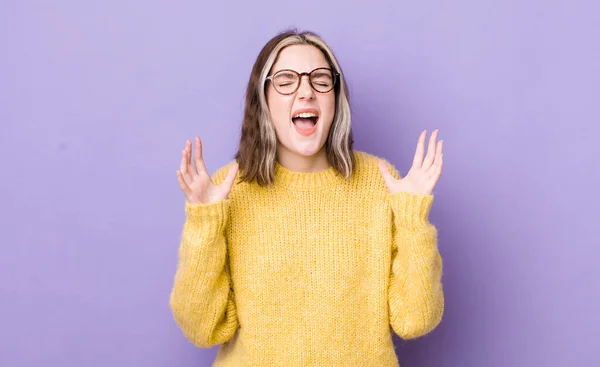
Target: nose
305	90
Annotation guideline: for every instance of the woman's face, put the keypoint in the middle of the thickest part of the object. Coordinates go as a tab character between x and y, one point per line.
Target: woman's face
300	137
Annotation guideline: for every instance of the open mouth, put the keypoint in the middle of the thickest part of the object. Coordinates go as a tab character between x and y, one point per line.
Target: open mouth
305	122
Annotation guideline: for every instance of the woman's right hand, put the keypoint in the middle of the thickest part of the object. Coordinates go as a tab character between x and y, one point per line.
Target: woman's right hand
196	183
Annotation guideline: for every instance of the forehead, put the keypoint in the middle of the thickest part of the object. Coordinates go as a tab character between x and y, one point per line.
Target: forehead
301	58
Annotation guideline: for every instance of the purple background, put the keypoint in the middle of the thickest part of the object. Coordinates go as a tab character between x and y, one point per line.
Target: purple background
97	98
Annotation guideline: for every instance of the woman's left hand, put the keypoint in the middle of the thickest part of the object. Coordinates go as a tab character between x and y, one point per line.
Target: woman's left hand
424	174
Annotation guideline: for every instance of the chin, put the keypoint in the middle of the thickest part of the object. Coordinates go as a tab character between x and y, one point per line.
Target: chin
309	150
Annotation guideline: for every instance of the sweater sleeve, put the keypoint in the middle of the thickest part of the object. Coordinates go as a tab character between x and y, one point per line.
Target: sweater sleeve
202	299
415	294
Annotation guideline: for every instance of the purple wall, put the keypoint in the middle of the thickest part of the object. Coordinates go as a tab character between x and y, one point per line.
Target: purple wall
96	100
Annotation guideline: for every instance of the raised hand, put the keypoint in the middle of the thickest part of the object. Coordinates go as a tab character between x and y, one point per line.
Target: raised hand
424	174
196	183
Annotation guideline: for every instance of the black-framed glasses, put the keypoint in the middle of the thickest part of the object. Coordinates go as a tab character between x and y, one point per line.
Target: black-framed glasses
287	81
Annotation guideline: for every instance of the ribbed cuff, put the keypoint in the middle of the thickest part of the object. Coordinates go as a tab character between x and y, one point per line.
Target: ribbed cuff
208	214
411	209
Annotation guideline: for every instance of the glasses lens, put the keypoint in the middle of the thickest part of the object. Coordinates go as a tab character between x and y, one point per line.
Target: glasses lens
322	80
285	81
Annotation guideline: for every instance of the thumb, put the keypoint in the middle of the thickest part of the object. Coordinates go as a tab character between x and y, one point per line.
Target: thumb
230	179
385	172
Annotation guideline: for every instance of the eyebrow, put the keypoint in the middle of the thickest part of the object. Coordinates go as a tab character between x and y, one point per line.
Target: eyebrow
318	67
288	74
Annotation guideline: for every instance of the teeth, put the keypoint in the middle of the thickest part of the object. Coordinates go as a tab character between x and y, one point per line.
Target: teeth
305	115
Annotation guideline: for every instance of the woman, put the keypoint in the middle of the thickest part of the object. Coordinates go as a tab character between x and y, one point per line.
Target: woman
304	251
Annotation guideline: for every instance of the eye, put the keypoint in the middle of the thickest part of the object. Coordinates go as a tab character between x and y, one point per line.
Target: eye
323	79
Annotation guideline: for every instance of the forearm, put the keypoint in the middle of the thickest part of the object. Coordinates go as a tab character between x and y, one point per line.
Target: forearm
201	300
416	296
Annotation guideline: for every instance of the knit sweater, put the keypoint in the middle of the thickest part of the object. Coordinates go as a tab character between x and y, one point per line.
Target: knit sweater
315	270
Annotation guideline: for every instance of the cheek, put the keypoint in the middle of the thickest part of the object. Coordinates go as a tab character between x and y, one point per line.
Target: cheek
279	108
328	106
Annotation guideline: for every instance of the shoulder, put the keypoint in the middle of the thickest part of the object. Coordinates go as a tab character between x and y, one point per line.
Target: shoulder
367	178
367	165
221	172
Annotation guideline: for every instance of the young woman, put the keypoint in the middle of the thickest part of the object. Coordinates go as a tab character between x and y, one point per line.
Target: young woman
303	251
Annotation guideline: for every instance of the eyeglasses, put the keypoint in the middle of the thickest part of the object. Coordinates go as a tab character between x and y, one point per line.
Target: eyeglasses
287	81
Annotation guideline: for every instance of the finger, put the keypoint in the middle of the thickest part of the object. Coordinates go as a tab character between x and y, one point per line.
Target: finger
385	173
418	158
430	150
230	179
198	161
182	185
191	169
436	170
184	167
437	155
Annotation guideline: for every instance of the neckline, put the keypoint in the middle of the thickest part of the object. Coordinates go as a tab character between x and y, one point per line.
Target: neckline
306	181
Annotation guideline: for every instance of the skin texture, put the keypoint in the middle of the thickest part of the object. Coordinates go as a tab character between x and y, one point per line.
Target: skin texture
295	151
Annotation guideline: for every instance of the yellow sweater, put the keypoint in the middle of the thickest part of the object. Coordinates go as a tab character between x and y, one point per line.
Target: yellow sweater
313	271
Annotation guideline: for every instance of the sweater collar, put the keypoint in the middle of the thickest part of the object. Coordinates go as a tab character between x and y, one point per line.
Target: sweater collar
306	181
